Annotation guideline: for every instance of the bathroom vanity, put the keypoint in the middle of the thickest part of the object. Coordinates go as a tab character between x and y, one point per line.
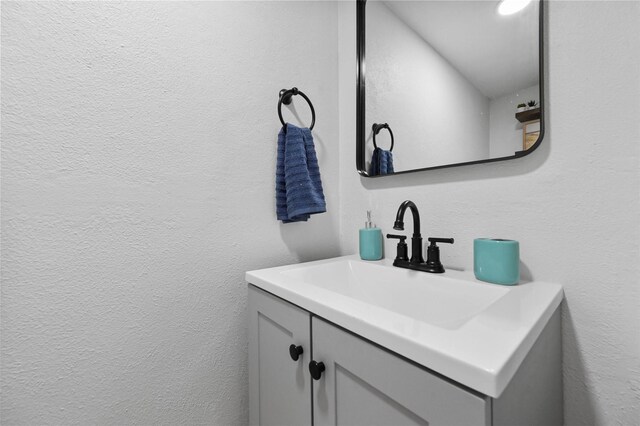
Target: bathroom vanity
354	342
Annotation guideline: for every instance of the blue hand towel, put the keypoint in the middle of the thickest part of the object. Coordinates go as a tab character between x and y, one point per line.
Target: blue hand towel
381	162
298	186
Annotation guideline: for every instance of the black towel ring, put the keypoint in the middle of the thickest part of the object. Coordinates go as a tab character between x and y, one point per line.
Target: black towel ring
285	96
376	129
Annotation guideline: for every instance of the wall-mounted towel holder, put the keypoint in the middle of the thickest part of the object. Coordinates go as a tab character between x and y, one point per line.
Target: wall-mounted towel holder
285	96
376	129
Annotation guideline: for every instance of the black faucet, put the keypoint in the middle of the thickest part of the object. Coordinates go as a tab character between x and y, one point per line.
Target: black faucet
416	262
416	239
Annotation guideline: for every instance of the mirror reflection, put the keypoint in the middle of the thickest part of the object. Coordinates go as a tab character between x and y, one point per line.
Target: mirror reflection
453	81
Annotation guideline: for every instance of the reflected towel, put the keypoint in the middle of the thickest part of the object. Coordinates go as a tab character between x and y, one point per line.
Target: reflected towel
381	162
298	186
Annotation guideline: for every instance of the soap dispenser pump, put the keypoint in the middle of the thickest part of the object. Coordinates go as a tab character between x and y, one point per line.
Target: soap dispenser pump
370	240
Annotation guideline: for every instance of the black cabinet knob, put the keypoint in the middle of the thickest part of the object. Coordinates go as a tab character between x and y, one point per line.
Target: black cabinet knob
316	369
295	352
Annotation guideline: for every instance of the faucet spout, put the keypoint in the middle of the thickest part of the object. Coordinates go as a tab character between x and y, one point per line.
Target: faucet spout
416	240
399	224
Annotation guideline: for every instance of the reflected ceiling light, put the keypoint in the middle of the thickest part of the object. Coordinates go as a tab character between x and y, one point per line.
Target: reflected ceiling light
509	7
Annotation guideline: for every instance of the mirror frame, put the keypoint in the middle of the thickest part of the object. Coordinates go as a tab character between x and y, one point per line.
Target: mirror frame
361	141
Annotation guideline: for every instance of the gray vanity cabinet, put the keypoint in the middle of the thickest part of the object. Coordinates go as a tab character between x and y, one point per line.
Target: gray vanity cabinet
364	384
279	387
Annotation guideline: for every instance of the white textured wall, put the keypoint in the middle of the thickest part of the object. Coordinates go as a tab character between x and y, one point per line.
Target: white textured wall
504	129
138	158
573	204
437	116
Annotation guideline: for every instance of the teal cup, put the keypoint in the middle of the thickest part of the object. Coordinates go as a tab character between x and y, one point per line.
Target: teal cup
496	261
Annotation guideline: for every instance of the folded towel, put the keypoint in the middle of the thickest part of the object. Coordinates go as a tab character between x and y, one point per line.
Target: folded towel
381	162
298	186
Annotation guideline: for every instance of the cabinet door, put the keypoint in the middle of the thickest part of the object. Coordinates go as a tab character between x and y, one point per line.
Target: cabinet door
279	387
364	384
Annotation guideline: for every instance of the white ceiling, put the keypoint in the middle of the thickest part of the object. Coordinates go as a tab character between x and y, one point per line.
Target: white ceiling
497	54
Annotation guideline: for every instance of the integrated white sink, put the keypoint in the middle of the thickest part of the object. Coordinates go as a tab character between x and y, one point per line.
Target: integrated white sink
470	331
436	300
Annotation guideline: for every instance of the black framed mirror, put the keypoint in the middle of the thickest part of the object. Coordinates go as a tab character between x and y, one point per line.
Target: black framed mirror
451	83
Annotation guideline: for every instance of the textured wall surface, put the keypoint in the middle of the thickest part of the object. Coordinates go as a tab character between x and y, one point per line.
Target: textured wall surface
573	204
138	164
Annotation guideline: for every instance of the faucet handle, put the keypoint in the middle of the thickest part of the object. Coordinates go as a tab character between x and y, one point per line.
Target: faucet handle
434	240
433	263
402	252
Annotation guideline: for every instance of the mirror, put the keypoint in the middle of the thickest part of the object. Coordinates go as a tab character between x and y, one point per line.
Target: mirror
445	83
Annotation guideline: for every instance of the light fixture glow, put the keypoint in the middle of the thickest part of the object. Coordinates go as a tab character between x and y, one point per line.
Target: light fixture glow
509	7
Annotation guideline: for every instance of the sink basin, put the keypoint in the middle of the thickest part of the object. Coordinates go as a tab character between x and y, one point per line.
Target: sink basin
441	301
472	332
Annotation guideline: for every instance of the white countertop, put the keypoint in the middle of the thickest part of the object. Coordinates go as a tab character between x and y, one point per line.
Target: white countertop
473	332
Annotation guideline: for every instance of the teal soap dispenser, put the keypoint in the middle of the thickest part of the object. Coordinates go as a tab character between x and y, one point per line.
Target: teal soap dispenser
370	240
